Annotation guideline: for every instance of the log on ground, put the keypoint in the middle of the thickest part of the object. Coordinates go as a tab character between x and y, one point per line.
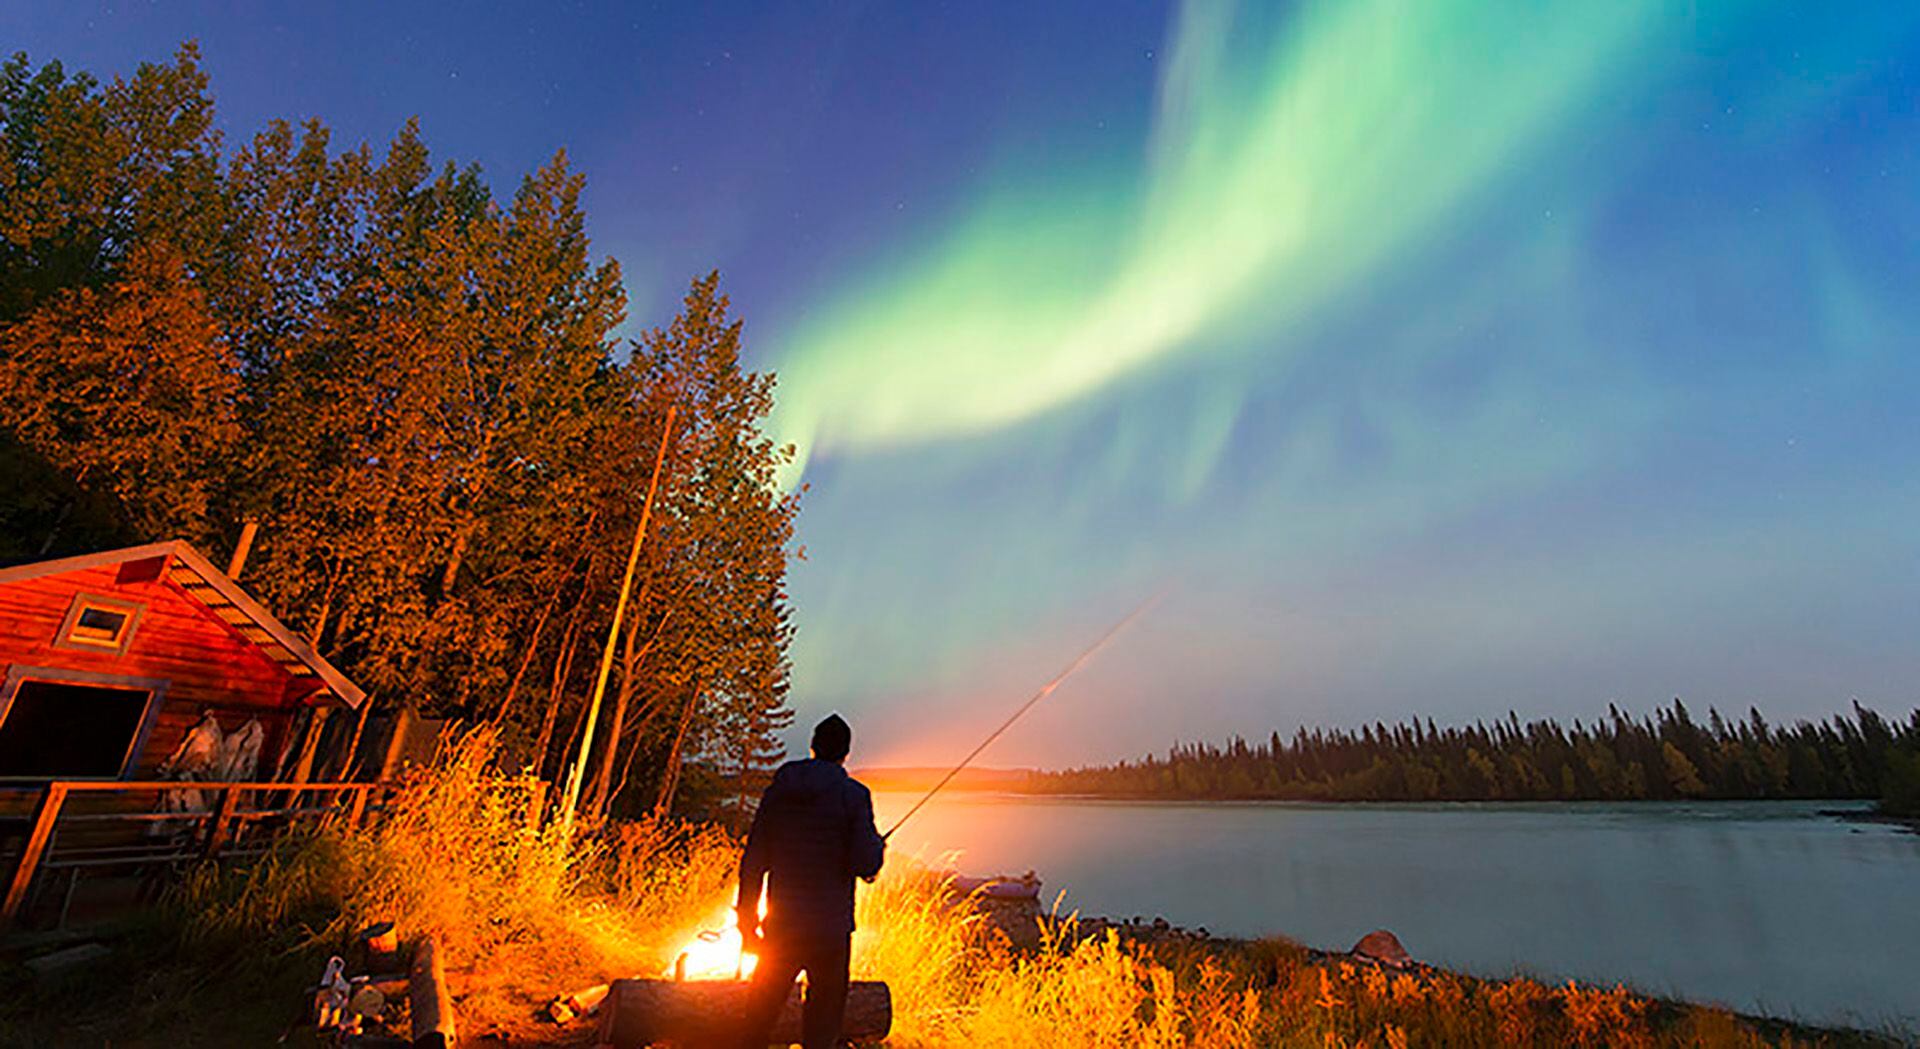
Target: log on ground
697	1013
428	1002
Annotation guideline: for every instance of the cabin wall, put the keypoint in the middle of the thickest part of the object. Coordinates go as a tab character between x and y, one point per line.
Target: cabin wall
207	664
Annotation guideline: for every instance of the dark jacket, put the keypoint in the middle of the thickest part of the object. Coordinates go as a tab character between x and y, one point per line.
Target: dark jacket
812	835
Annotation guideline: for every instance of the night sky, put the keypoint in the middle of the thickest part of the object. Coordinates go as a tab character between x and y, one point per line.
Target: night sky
1438	359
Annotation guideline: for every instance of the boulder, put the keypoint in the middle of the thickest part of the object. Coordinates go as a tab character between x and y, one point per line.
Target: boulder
61	965
1384	948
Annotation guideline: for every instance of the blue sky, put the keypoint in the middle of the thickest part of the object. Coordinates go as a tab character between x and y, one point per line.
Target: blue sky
1439	359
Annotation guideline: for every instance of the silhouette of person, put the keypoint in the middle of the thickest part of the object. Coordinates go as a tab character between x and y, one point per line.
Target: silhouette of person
812	835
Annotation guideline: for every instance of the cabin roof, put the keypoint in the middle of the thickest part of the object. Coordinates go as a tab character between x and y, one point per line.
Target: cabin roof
192	572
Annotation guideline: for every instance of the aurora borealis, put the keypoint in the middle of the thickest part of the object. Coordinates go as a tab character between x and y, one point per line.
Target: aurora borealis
1442	358
1257	192
1450	358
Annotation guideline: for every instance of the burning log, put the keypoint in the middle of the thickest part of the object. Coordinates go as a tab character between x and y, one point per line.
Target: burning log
580	1003
706	1012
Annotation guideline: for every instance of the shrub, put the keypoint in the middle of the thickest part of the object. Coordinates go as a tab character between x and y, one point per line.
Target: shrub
1900	792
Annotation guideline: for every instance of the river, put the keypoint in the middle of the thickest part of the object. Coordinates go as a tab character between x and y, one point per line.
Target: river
1766	907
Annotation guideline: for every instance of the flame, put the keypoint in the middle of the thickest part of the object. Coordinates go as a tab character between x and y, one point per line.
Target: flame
716	953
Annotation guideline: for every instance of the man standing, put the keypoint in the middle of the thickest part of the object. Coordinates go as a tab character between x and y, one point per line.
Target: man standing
812	835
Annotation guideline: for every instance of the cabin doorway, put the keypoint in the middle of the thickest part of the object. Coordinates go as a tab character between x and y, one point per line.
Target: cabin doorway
55	727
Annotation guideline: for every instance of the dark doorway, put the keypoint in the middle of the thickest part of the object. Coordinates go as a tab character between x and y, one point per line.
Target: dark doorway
53	729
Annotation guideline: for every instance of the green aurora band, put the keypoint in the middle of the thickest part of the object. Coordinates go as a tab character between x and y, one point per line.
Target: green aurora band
1363	126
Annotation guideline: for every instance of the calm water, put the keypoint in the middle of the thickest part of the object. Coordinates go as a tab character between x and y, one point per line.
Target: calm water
1763	906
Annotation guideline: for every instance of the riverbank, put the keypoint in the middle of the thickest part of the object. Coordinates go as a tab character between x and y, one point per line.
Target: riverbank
1910	824
1376	983
1377	979
524	914
1320	992
956	982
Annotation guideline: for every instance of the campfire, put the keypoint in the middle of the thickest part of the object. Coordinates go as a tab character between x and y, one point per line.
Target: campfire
701	995
717	952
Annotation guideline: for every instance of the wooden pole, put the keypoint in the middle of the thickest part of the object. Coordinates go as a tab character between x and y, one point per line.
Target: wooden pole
45	815
241	549
221	826
579	772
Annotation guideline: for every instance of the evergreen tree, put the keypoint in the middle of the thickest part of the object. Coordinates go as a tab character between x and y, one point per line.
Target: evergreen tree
1618	759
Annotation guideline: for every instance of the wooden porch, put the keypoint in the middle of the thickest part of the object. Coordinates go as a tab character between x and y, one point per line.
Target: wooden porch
140	832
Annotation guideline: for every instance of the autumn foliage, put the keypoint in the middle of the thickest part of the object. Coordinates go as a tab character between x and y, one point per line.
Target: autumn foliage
415	388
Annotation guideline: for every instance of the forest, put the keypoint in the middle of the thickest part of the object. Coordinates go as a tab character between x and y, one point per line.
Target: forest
415	389
1668	755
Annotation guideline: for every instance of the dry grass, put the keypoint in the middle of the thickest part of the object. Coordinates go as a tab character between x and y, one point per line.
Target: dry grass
956	983
521	911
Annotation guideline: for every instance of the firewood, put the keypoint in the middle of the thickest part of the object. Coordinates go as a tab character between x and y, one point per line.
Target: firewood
697	1013
428	1002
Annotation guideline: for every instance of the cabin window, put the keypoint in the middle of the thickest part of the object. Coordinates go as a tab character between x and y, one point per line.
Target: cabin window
70	729
98	624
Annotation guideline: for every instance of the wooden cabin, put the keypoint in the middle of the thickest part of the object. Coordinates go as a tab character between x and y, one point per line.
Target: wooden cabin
112	659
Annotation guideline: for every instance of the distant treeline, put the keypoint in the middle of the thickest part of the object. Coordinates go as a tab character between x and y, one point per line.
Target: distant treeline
1669	755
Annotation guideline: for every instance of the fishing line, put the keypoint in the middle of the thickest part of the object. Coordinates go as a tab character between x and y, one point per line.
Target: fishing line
1044	692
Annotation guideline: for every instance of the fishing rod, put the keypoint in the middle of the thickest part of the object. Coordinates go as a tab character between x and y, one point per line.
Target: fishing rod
1044	692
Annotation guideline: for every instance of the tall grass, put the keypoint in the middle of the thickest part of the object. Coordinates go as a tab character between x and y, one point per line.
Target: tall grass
927	945
956	983
521	908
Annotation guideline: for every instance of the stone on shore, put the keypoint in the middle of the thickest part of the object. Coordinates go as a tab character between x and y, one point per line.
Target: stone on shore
1383	947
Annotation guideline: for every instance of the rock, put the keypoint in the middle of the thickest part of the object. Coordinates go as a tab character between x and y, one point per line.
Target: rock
1383	947
57	966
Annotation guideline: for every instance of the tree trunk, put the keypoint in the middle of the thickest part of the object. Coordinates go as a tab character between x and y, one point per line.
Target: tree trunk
396	743
533	647
696	1013
671	778
359	733
562	668
303	768
629	663
458	555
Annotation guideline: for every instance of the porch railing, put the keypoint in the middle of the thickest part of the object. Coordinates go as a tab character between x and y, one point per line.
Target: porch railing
238	819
